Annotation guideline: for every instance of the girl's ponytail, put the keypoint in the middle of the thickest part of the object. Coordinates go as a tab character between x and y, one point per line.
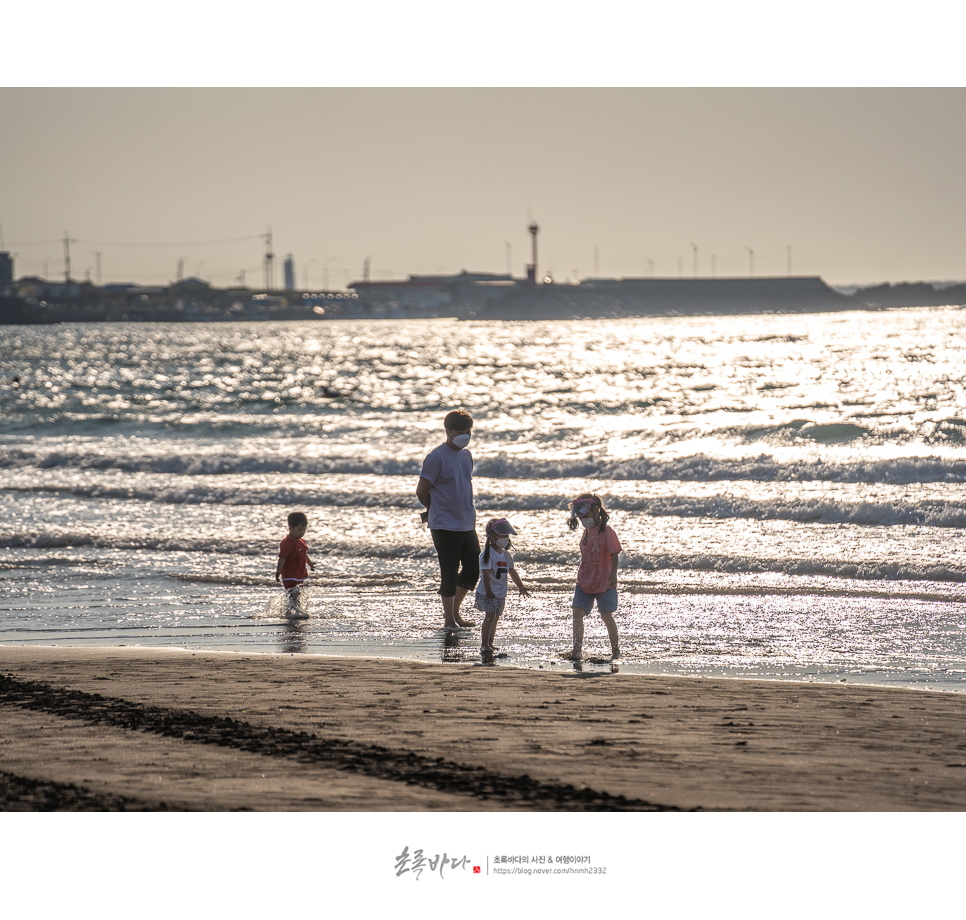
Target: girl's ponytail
604	516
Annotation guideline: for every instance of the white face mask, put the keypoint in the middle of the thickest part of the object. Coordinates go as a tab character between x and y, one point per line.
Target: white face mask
501	542
461	440
587	521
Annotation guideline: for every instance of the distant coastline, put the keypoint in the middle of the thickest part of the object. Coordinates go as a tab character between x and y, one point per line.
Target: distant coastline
464	296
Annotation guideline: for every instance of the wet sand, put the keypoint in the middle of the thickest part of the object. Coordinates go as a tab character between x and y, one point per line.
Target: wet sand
138	729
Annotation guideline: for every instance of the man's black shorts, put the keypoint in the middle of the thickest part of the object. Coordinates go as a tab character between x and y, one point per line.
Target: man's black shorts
459	560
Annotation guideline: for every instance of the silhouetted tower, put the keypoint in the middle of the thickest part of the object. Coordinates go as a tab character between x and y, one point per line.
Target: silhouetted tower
269	262
532	269
67	242
289	273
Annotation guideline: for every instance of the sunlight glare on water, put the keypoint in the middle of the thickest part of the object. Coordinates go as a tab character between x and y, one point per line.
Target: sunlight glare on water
788	488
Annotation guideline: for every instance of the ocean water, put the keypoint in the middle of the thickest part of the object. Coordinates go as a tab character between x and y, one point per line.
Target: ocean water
789	489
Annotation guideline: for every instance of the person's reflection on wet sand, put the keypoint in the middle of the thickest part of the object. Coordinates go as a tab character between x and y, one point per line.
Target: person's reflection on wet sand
293	637
450	647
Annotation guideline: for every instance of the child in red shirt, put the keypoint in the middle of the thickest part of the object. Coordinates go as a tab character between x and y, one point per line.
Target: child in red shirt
597	576
293	557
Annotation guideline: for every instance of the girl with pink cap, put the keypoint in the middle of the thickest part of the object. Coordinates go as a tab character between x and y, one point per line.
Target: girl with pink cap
496	567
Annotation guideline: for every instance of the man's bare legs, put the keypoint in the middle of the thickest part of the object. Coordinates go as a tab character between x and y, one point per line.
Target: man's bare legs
451	610
460	594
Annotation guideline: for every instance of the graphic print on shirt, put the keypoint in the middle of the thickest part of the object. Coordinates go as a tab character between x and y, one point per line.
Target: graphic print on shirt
591	558
498	565
594	572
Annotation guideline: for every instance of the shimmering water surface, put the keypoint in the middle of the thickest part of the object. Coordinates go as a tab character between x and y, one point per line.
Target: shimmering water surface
788	489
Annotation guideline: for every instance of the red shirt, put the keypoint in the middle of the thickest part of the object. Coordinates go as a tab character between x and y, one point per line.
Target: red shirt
295	567
596	548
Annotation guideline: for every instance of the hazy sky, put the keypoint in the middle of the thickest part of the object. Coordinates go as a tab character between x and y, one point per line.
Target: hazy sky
863	185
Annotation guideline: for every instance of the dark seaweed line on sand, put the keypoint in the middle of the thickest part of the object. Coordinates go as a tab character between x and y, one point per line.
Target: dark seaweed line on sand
370	760
21	793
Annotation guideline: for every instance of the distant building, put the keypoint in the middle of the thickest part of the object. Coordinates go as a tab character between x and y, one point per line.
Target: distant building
42	289
6	273
193	285
289	273
443	295
428	294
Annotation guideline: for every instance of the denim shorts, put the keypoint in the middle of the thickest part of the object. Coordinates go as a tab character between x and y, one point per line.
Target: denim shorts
606	600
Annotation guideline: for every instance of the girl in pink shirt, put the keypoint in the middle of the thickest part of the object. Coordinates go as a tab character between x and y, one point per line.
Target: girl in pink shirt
597	576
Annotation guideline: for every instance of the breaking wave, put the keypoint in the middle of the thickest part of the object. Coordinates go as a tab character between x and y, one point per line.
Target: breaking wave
869	513
631	563
188	460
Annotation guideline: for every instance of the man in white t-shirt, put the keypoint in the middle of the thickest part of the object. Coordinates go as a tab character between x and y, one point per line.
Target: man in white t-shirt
445	489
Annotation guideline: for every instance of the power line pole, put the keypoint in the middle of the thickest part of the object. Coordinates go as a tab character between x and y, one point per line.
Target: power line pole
269	262
305	272
67	242
532	269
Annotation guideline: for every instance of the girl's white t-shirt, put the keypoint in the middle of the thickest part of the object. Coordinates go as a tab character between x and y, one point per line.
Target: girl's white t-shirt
499	567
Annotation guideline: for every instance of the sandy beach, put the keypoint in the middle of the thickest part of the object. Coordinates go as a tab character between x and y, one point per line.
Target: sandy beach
134	729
